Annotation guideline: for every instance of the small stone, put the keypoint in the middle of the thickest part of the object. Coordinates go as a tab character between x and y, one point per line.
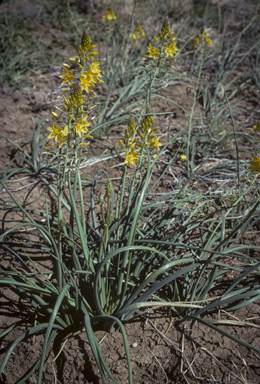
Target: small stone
134	345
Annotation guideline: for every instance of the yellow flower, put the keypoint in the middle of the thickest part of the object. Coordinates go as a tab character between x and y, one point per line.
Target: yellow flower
56	133
153	52
109	16
89	78
207	40
196	41
138	33
256	127
81	127
171	49
132	143
255	164
86	81
183	158
202	38
63	136
155	143
131	157
68	77
95	70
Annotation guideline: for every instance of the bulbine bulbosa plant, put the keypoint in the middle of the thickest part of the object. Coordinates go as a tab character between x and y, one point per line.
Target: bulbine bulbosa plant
131	252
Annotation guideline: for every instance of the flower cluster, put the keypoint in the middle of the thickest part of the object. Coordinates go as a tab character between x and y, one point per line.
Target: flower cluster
138	34
84	76
202	38
130	142
166	44
145	132
109	16
135	138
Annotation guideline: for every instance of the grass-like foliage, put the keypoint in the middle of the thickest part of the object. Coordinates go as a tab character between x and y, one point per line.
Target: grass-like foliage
132	251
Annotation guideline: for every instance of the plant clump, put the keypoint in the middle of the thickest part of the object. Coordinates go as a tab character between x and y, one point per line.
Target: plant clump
117	247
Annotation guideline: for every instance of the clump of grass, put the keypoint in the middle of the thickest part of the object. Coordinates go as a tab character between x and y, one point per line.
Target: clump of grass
133	251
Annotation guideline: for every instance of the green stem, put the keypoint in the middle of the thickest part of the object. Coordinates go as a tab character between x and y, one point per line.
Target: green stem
189	165
122	194
114	77
61	184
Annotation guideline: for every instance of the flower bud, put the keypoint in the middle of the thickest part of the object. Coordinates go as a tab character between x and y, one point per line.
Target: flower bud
55	115
131	124
109	188
165	28
76	94
101	199
93	54
109	219
85	40
62	223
